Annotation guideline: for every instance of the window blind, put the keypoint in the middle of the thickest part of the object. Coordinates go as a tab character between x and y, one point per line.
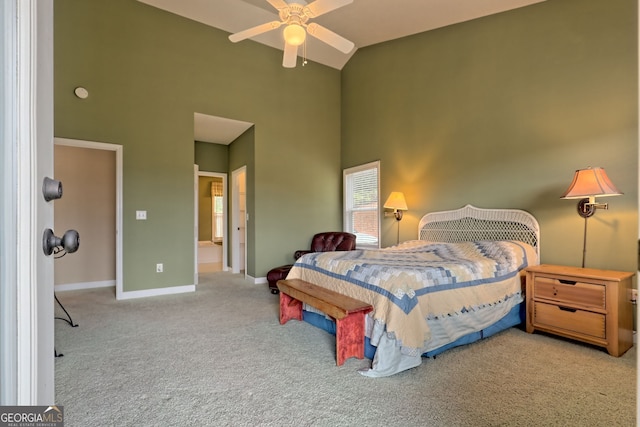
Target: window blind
361	203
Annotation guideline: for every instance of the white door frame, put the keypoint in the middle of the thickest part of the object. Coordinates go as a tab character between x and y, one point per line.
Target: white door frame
118	154
26	279
195	223
236	221
223	176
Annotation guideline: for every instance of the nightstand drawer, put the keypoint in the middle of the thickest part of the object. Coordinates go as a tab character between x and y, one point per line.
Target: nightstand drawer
570	320
570	292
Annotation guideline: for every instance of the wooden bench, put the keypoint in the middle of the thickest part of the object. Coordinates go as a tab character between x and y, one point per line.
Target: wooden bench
347	312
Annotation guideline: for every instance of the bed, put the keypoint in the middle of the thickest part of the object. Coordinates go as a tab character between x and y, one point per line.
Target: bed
461	281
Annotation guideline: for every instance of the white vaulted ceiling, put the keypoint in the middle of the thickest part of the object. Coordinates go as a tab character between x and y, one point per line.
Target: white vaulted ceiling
364	22
217	130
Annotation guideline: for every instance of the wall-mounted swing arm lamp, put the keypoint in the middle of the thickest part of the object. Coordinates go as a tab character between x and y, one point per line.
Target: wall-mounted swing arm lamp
396	202
588	184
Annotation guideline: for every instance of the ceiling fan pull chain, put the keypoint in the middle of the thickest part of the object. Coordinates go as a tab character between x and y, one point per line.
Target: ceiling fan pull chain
304	53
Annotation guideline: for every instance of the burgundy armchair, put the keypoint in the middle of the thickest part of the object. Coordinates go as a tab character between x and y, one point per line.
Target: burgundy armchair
321	242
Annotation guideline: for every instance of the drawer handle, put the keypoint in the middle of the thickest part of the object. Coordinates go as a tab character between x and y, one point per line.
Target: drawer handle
567	282
572	310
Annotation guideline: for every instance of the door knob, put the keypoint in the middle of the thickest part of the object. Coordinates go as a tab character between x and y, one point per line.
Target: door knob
70	241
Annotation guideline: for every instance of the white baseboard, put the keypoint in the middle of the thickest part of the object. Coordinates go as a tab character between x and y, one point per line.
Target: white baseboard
156	292
85	285
256	280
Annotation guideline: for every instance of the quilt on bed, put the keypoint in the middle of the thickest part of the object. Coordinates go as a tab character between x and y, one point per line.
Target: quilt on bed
417	284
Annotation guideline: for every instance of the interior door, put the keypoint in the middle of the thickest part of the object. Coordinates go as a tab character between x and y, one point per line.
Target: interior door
239	223
26	158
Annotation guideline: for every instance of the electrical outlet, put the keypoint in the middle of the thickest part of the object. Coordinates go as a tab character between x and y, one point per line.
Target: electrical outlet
634	296
159	268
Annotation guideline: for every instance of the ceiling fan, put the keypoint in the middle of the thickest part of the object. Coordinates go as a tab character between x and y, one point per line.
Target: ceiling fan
295	16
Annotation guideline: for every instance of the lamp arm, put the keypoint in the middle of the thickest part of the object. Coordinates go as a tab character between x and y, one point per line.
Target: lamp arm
599	205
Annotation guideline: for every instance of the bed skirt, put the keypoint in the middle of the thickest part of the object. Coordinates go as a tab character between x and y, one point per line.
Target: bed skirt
514	317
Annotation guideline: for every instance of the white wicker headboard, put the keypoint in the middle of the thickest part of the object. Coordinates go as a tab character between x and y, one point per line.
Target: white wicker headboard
470	223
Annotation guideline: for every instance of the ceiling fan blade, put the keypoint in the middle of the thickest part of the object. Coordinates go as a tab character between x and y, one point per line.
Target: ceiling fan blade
290	56
320	7
278	4
329	37
254	31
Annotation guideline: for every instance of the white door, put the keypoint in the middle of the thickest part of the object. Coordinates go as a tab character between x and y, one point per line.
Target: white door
239	220
26	158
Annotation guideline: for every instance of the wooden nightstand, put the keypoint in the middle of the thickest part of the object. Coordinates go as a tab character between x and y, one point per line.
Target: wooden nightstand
585	304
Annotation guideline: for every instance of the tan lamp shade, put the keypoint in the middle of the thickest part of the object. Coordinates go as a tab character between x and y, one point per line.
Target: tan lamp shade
396	202
590	182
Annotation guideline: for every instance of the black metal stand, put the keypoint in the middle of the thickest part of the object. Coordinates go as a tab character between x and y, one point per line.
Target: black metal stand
68	320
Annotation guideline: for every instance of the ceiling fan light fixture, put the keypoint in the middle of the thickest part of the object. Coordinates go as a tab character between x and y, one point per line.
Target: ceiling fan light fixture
294	16
294	34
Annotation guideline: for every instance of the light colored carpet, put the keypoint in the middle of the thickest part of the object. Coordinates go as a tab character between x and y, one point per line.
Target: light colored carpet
219	357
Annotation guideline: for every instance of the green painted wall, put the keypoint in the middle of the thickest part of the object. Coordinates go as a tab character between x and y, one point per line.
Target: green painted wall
497	112
211	157
500	112
147	71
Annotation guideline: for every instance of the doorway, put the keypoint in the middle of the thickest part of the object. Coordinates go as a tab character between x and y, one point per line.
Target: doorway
97	188
211	222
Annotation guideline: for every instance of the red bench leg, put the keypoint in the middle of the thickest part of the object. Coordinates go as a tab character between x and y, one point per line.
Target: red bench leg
290	308
350	337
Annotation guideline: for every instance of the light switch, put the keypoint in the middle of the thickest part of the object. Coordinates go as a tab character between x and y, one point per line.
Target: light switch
142	215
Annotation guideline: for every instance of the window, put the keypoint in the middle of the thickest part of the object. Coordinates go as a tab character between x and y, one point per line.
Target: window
361	204
217	209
